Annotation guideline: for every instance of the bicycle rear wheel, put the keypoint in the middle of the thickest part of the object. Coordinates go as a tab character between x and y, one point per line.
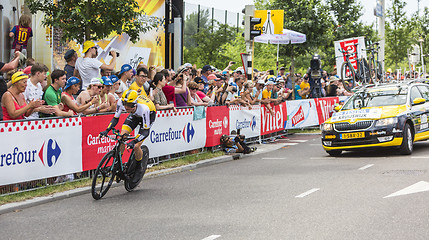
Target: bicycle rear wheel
106	173
348	76
131	165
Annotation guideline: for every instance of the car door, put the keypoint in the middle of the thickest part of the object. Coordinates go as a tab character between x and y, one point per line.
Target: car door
424	127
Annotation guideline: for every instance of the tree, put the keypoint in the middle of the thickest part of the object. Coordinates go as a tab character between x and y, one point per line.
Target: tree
192	26
210	40
82	20
398	37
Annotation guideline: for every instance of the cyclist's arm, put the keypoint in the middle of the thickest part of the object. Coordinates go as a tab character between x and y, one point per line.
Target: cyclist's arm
115	119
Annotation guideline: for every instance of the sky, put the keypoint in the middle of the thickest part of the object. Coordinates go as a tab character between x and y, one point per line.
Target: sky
368	17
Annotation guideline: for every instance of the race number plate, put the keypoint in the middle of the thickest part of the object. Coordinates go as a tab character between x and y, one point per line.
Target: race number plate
353	135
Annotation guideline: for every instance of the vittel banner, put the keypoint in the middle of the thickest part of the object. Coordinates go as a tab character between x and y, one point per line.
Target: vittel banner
93	147
217	123
33	150
325	107
173	133
301	113
245	119
273	123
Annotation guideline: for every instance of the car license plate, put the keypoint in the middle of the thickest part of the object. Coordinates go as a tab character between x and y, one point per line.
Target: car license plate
353	135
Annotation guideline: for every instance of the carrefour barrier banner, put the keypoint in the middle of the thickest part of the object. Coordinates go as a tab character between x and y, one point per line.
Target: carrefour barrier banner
217	123
273	123
33	150
245	119
173	133
93	147
301	113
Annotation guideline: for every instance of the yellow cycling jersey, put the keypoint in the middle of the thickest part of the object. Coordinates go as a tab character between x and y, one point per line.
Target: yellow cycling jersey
146	101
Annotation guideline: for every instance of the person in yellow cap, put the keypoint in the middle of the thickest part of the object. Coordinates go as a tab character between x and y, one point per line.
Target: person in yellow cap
13	102
388	76
89	66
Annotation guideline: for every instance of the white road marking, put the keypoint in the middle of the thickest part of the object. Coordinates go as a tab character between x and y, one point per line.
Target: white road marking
319	158
297	140
289	144
366	166
307	193
273	158
421	186
211	237
425	157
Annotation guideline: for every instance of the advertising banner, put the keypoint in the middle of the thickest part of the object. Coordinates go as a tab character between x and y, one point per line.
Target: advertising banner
325	107
349	46
217	123
270	123
40	149
94	148
301	113
173	133
245	119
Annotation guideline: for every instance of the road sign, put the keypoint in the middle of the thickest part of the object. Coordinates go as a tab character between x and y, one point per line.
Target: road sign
271	21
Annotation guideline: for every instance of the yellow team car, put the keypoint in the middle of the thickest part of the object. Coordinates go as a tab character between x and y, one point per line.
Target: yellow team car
393	115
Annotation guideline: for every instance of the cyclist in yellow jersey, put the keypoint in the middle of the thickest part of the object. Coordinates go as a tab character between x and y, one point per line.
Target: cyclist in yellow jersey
143	113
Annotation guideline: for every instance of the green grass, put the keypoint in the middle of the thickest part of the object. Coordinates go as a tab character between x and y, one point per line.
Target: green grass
49	190
305	130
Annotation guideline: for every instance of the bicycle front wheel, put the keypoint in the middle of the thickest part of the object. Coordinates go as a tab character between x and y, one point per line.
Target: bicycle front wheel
348	76
105	173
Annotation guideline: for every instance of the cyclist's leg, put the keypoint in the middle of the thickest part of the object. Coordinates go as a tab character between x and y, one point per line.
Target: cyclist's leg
129	125
146	123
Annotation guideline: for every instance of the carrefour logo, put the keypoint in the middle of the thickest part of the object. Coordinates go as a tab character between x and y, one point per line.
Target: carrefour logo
187	134
246	124
49	154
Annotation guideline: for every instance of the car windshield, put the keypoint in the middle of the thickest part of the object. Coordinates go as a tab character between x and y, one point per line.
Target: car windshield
377	98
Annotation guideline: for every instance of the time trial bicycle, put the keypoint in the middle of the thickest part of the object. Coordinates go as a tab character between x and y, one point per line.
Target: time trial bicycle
111	167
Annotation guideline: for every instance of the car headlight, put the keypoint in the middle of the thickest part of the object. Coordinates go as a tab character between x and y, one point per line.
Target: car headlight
386	122
326	127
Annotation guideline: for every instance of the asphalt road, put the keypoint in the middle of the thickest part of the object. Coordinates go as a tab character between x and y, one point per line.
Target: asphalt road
296	192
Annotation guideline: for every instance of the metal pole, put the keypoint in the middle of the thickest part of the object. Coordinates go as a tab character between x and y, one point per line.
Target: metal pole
421	55
381	34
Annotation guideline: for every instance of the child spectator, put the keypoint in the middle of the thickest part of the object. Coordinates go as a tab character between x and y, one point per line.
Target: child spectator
21	33
34	90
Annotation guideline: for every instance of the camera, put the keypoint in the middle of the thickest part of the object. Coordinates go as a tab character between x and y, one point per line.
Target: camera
117	54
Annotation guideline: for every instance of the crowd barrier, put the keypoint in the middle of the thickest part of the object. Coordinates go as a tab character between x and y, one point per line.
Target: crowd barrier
46	148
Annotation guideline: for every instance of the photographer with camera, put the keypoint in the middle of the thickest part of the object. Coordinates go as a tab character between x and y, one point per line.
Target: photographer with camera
88	67
235	144
314	76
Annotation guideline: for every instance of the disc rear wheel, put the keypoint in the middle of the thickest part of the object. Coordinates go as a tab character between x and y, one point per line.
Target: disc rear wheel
132	183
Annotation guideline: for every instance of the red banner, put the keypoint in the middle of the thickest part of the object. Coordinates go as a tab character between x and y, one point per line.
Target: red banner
270	123
217	123
325	107
349	46
94	148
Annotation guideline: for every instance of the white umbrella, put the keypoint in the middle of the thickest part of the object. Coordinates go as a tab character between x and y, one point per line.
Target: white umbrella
288	37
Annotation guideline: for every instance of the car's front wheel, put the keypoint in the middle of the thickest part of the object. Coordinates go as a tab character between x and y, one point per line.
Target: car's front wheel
407	141
334	153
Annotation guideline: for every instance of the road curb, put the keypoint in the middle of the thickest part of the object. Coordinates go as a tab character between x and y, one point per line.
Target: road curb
17	206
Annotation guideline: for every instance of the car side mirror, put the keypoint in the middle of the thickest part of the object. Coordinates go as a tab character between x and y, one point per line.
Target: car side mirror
338	108
417	101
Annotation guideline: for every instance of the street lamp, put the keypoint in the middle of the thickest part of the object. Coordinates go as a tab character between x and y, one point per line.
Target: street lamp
421	40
